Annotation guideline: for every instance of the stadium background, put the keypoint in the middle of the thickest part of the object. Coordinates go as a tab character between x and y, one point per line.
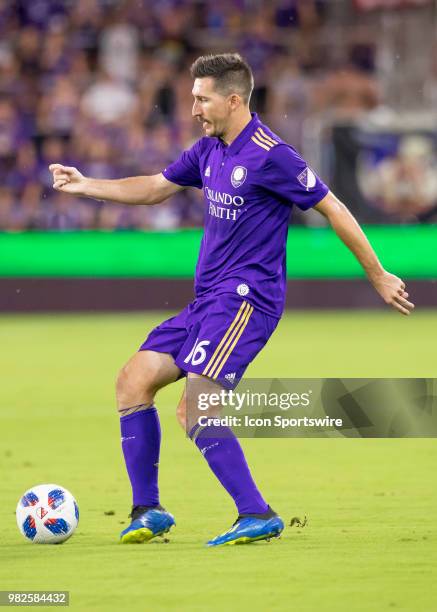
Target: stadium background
104	85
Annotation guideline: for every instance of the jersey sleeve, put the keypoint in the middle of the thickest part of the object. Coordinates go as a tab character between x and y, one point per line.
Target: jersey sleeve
288	176
185	171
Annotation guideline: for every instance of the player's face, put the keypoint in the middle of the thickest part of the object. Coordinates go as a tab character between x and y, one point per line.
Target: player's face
210	108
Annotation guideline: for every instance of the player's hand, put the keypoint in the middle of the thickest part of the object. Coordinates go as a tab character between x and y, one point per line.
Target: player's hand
392	290
67	179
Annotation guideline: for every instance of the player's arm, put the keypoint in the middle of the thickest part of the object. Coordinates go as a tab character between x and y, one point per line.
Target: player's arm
134	190
390	287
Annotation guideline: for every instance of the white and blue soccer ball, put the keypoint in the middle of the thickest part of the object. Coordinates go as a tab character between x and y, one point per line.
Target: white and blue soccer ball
47	514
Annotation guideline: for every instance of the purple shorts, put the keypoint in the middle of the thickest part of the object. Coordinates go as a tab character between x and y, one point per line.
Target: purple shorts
217	336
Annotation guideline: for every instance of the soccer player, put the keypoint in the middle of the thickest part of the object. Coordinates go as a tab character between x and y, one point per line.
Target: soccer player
251	181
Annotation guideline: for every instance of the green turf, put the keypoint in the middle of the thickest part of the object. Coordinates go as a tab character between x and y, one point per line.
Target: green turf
370	543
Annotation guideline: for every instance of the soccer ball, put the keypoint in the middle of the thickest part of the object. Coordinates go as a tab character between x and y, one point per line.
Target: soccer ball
47	514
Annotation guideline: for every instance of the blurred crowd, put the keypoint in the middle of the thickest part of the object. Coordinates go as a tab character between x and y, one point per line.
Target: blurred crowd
104	85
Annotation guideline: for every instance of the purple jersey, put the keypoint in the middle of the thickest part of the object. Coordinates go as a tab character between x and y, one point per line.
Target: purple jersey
250	188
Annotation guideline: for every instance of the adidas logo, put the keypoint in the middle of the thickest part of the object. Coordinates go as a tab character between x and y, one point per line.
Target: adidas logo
208	171
207	448
230	377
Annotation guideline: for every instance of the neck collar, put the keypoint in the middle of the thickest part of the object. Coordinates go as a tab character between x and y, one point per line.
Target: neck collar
243	136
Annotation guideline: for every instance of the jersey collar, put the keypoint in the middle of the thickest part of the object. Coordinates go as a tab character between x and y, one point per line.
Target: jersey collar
237	144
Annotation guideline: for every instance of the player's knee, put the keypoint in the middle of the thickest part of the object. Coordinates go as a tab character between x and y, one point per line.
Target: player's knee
122	384
131	389
181	413
122	381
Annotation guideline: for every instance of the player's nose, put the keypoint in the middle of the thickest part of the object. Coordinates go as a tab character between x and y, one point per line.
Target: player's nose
195	110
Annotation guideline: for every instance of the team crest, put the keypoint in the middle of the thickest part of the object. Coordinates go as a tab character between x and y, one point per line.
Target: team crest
238	176
243	289
307	178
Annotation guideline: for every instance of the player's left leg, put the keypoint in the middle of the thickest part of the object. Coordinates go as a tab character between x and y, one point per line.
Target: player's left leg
227	339
218	444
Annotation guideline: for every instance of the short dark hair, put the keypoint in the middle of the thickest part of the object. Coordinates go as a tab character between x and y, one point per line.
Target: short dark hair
232	74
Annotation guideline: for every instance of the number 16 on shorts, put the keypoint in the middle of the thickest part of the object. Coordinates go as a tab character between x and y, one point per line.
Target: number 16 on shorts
197	354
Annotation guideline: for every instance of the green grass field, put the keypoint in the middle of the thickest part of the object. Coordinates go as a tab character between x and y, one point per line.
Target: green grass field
371	540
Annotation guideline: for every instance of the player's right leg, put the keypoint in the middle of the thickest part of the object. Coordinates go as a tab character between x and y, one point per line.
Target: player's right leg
142	376
137	383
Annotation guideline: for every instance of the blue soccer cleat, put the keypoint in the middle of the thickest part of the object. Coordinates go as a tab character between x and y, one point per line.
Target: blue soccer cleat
147	523
251	528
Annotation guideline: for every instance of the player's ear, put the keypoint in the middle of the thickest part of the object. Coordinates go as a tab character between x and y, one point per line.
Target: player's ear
234	101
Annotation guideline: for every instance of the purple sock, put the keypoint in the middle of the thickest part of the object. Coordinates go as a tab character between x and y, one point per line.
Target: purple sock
225	457
140	441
